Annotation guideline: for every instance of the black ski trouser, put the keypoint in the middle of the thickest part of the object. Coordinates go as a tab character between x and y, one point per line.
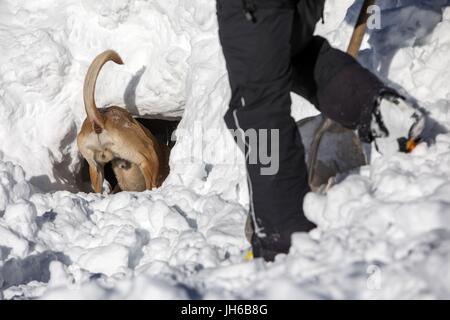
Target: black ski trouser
267	58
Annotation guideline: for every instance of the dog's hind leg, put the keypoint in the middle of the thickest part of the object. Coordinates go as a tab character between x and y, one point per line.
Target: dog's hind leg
150	173
96	173
149	163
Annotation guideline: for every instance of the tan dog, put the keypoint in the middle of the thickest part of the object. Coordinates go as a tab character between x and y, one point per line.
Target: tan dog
112	135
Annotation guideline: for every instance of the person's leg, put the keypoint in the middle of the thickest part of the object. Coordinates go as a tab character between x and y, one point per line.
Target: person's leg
352	96
304	50
332	80
346	92
258	56
355	98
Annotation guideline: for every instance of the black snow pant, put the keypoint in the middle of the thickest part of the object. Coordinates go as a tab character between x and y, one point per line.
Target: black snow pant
270	51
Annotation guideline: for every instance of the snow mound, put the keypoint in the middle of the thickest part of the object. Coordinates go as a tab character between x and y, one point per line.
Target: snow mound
111	236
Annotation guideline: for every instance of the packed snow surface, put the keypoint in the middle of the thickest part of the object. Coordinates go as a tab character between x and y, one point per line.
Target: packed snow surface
383	231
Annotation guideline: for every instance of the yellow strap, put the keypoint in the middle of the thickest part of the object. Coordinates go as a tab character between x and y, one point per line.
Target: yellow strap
249	255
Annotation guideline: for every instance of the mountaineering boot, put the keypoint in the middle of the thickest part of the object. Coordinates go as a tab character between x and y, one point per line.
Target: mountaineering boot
395	124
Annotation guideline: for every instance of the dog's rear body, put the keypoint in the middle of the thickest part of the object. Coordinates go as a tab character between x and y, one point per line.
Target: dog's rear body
113	135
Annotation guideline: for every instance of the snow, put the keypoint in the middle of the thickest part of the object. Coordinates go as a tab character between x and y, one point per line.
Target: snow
383	230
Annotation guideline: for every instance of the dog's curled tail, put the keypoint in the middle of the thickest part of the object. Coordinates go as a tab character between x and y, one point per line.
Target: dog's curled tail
94	115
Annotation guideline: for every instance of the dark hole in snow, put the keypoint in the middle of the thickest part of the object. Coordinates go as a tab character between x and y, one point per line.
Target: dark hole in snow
162	129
